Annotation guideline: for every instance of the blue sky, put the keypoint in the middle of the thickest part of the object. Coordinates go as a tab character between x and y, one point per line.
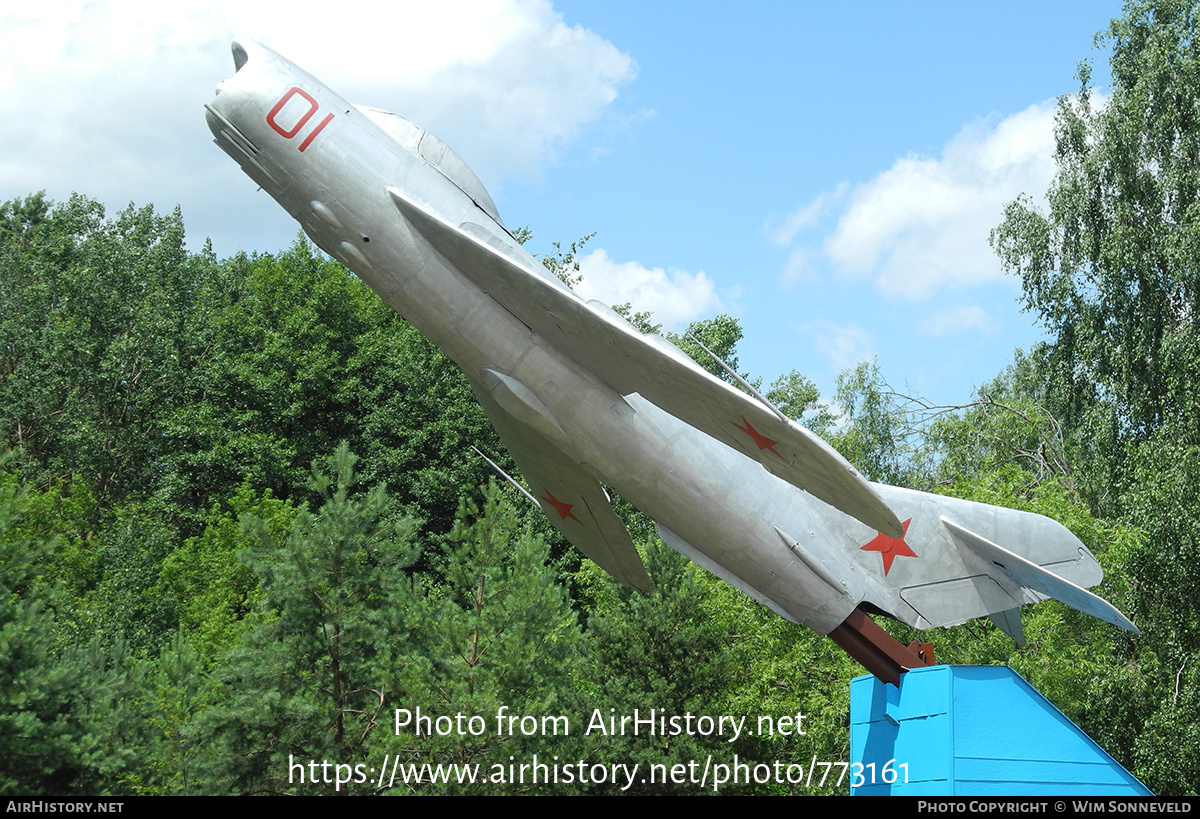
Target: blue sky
827	175
754	116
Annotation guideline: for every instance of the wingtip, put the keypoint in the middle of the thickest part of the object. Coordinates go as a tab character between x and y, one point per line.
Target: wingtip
878	515
872	511
893	527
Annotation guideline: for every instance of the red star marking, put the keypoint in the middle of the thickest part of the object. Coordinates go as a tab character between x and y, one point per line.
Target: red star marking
563	509
760	440
891	547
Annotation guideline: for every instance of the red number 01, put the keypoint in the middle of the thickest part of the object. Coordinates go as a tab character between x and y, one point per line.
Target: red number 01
295	129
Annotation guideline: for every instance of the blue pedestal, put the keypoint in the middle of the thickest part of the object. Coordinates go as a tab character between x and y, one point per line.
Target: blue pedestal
973	731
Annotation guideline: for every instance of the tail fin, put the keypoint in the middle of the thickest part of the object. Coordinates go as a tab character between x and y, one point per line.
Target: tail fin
950	567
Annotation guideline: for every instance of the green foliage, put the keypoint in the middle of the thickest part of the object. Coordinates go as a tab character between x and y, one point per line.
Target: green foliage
205	581
498	635
643	320
500	611
563	264
779	669
663	651
58	736
877	432
720	335
417	421
316	668
798	398
270	351
1111	271
125	605
1008	426
91	312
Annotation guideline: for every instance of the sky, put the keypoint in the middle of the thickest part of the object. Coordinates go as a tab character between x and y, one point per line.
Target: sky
827	175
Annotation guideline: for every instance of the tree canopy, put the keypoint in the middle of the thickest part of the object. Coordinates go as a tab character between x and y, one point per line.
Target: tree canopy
1112	269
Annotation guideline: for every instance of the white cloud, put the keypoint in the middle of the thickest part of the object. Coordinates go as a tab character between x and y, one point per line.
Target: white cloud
107	96
799	268
506	82
806	216
843	344
924	223
957	320
675	298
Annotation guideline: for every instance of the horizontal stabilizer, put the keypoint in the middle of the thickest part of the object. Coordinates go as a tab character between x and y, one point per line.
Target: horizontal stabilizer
1018	571
614	352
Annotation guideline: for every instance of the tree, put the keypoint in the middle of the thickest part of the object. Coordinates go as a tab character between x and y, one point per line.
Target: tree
208	585
498	636
662	650
878	432
270	340
798	398
1113	272
562	263
69	712
313	676
91	316
720	335
416	421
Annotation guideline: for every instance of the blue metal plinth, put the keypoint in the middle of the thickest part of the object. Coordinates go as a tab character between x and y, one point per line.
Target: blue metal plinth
972	731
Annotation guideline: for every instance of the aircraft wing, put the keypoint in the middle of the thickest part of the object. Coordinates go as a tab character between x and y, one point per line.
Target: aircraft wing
572	500
615	352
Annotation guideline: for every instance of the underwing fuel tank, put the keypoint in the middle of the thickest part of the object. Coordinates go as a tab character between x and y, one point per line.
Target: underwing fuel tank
581	397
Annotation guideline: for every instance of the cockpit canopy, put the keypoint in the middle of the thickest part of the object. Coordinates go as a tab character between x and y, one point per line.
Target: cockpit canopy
436	153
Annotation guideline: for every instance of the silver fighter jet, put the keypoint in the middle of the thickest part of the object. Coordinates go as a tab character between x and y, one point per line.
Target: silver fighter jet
580	397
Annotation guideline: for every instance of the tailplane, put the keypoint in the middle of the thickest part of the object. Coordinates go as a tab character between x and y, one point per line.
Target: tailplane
960	560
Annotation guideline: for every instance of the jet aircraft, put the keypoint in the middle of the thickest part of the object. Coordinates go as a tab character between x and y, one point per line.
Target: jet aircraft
582	399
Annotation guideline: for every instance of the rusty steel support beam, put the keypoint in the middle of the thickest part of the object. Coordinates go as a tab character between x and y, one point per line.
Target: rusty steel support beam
876	650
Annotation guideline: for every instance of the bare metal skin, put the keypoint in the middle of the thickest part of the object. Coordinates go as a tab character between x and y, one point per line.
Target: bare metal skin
580	397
